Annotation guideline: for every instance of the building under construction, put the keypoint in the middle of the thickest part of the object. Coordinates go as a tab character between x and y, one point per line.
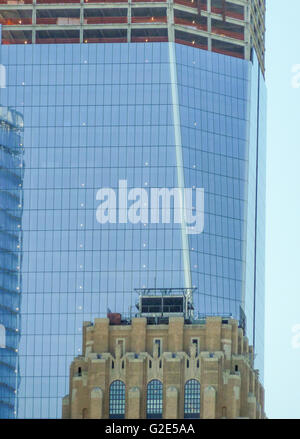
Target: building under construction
229	27
166	94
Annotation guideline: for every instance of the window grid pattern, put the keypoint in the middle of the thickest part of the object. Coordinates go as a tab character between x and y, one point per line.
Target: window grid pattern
11	211
117	400
95	114
192	399
154	399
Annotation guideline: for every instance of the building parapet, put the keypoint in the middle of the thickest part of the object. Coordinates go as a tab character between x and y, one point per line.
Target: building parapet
212	364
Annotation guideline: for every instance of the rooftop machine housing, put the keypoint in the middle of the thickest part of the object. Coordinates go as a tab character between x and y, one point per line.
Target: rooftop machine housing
158	304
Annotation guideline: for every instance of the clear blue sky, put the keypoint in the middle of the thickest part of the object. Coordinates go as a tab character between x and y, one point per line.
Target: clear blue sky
282	372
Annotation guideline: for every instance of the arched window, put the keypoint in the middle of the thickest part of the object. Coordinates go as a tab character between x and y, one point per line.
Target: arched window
154	399
117	400
192	399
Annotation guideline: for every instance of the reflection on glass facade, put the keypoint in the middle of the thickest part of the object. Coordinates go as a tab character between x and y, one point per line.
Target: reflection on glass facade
154	399
11	201
158	115
192	399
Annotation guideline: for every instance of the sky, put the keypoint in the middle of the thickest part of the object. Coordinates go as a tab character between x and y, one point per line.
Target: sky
282	337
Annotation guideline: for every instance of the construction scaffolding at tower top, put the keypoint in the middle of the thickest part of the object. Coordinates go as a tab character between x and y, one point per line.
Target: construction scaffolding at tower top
234	28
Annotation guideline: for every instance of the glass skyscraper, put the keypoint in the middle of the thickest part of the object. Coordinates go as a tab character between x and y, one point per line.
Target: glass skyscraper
11	207
113	98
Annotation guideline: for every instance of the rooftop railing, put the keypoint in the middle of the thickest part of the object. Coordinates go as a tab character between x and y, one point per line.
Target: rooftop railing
105	20
106	40
228	33
57	40
232	14
185	22
190	3
191	43
15	21
148	19
228	52
105	1
56	1
15	2
149	39
149	1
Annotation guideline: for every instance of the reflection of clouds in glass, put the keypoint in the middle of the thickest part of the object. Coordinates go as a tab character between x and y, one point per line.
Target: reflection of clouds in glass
2	337
11	181
2	76
296	77
296	336
127	106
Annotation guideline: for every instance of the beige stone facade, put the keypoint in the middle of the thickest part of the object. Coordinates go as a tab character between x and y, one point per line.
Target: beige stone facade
213	355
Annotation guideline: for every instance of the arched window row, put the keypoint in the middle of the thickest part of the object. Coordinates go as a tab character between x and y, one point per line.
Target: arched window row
154	399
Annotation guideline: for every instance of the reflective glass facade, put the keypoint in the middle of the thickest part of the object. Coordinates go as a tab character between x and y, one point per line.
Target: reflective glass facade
158	115
11	207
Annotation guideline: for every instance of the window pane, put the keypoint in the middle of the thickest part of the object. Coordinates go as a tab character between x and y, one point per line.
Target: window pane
117	400
154	400
192	399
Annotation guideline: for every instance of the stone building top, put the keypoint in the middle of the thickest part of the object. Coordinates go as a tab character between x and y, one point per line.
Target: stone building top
213	334
212	361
